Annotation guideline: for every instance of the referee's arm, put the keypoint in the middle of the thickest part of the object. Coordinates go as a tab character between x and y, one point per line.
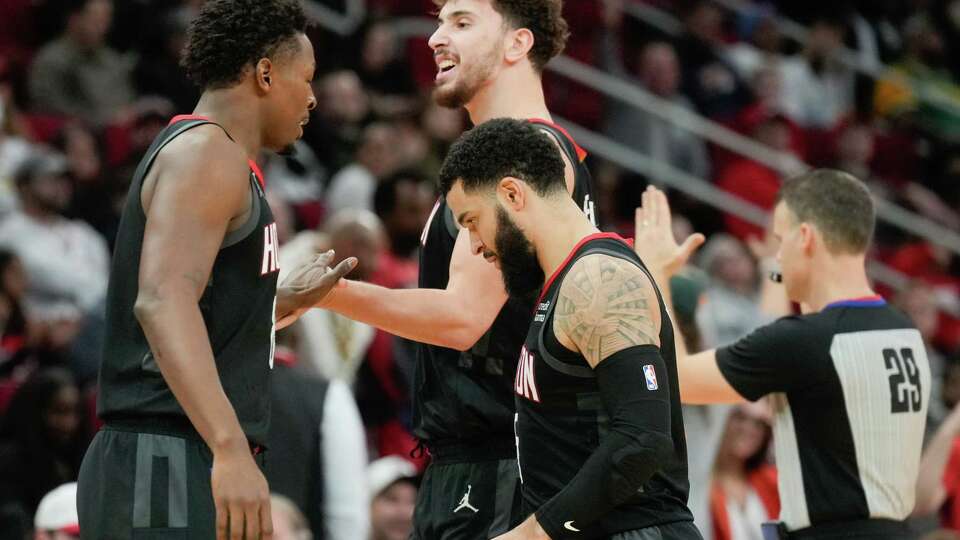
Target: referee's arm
747	370
701	380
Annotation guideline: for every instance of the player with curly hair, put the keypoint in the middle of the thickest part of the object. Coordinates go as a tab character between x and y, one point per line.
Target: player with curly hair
193	300
600	440
490	56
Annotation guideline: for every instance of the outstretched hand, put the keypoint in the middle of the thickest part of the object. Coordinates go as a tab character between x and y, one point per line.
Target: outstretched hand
654	241
307	286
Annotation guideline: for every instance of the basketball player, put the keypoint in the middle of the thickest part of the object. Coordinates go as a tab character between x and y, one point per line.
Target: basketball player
490	55
849	380
599	429
193	294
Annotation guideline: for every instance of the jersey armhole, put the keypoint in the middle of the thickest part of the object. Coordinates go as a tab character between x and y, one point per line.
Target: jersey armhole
147	164
449	222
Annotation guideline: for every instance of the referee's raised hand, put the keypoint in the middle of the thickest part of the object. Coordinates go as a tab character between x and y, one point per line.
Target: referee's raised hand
654	241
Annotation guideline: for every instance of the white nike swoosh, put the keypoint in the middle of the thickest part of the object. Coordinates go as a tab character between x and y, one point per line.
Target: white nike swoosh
569	526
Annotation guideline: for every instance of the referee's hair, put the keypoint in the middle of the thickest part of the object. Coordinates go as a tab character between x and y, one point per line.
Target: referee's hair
231	35
837	203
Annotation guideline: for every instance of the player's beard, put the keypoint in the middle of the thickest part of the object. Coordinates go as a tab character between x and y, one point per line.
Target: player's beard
469	81
522	275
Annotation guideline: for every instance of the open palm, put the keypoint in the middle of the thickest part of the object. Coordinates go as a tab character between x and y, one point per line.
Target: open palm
654	241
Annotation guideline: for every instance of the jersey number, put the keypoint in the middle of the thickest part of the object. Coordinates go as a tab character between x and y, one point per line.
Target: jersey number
904	377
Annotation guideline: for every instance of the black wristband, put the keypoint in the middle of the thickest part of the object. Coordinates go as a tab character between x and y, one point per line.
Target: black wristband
635	390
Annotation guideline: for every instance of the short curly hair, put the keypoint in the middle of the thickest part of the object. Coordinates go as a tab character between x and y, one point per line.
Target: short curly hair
499	148
544	18
230	35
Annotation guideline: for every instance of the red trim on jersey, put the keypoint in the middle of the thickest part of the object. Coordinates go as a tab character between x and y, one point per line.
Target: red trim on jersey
253	165
581	153
257	172
563	265
182	117
870	298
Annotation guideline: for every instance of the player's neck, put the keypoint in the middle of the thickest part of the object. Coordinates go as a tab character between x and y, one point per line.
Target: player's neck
558	234
232	110
516	92
839	278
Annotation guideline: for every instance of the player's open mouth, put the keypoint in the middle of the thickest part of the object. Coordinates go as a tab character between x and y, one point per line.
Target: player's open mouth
445	69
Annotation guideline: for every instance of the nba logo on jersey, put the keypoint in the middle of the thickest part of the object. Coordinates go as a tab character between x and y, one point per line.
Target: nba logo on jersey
271	250
525	384
651	375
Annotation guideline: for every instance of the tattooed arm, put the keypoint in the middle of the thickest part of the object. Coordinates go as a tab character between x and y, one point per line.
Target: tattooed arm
606	305
607	310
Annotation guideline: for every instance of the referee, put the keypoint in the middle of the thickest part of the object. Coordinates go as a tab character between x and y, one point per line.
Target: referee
849	380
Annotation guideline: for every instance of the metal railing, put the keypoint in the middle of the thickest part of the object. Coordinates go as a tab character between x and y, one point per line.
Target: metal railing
699	188
665	174
344	24
671	25
782	162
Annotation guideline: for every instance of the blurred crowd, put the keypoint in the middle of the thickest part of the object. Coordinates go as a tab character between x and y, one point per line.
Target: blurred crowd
85	85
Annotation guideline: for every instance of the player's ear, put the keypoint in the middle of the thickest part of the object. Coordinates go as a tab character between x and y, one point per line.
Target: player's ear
263	74
808	237
518	45
510	191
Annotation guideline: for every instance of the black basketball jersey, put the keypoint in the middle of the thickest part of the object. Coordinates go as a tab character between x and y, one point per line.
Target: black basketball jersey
237	307
463	396
849	387
561	420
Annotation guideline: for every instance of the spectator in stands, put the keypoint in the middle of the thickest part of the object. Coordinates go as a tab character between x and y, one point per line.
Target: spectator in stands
730	309
855	151
921	84
708	79
817	87
318	451
703	424
650	134
918	301
755	182
15	335
91	200
938	481
289	523
56	517
442	126
14	147
67	261
42	439
376	158
761	47
298	178
385	72
158	70
336	128
328	344
403	202
393	492
78	75
743	494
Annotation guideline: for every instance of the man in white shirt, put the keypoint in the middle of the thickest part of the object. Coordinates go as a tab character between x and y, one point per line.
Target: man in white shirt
67	261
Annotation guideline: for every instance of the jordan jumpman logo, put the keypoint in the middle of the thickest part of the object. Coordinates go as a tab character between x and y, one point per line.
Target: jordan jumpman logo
465	502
